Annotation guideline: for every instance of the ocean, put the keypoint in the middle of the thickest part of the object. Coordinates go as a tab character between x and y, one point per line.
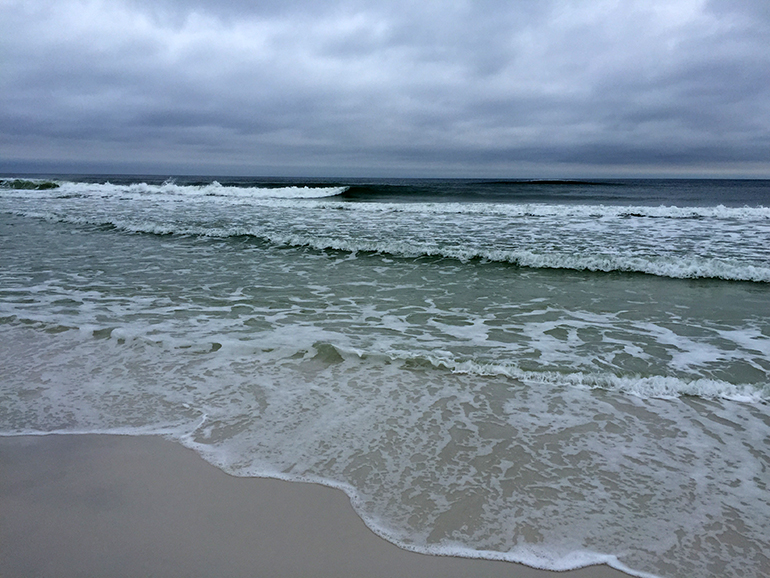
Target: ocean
557	373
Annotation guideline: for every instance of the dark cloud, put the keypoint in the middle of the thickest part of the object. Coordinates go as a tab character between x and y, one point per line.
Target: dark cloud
450	87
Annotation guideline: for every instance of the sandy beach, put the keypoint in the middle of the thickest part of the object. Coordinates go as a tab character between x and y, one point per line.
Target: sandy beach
98	505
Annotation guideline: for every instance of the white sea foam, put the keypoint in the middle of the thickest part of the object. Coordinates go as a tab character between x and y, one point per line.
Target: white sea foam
410	447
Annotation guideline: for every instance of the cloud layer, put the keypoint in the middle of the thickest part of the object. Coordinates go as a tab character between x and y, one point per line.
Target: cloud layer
449	88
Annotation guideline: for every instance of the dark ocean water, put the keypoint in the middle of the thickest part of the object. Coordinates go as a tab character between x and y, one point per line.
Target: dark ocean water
554	372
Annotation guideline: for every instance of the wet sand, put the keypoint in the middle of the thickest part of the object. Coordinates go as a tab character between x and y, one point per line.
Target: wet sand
118	506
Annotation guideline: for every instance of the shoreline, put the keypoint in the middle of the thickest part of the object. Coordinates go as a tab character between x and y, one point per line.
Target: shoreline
111	505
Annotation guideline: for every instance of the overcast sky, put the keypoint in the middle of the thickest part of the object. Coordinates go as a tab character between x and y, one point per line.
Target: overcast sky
506	88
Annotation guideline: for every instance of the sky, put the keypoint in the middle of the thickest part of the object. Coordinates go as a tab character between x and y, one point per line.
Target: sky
499	88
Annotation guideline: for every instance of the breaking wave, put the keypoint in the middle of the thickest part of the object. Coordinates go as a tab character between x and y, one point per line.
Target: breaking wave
169	190
672	266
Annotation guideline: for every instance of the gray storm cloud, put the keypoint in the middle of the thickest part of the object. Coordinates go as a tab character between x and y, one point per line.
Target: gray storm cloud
431	88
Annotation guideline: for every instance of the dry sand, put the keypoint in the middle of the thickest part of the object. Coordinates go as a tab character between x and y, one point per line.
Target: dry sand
113	506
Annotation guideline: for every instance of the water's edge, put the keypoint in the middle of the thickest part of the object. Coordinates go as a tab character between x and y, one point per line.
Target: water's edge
579	559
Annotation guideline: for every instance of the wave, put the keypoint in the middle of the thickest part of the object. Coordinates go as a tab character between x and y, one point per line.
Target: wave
673	267
561	210
652	386
676	267
380	198
173	191
28	184
545	210
656	386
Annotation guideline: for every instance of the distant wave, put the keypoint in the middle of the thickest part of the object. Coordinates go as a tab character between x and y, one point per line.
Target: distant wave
677	267
293	192
171	189
28	184
339	196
